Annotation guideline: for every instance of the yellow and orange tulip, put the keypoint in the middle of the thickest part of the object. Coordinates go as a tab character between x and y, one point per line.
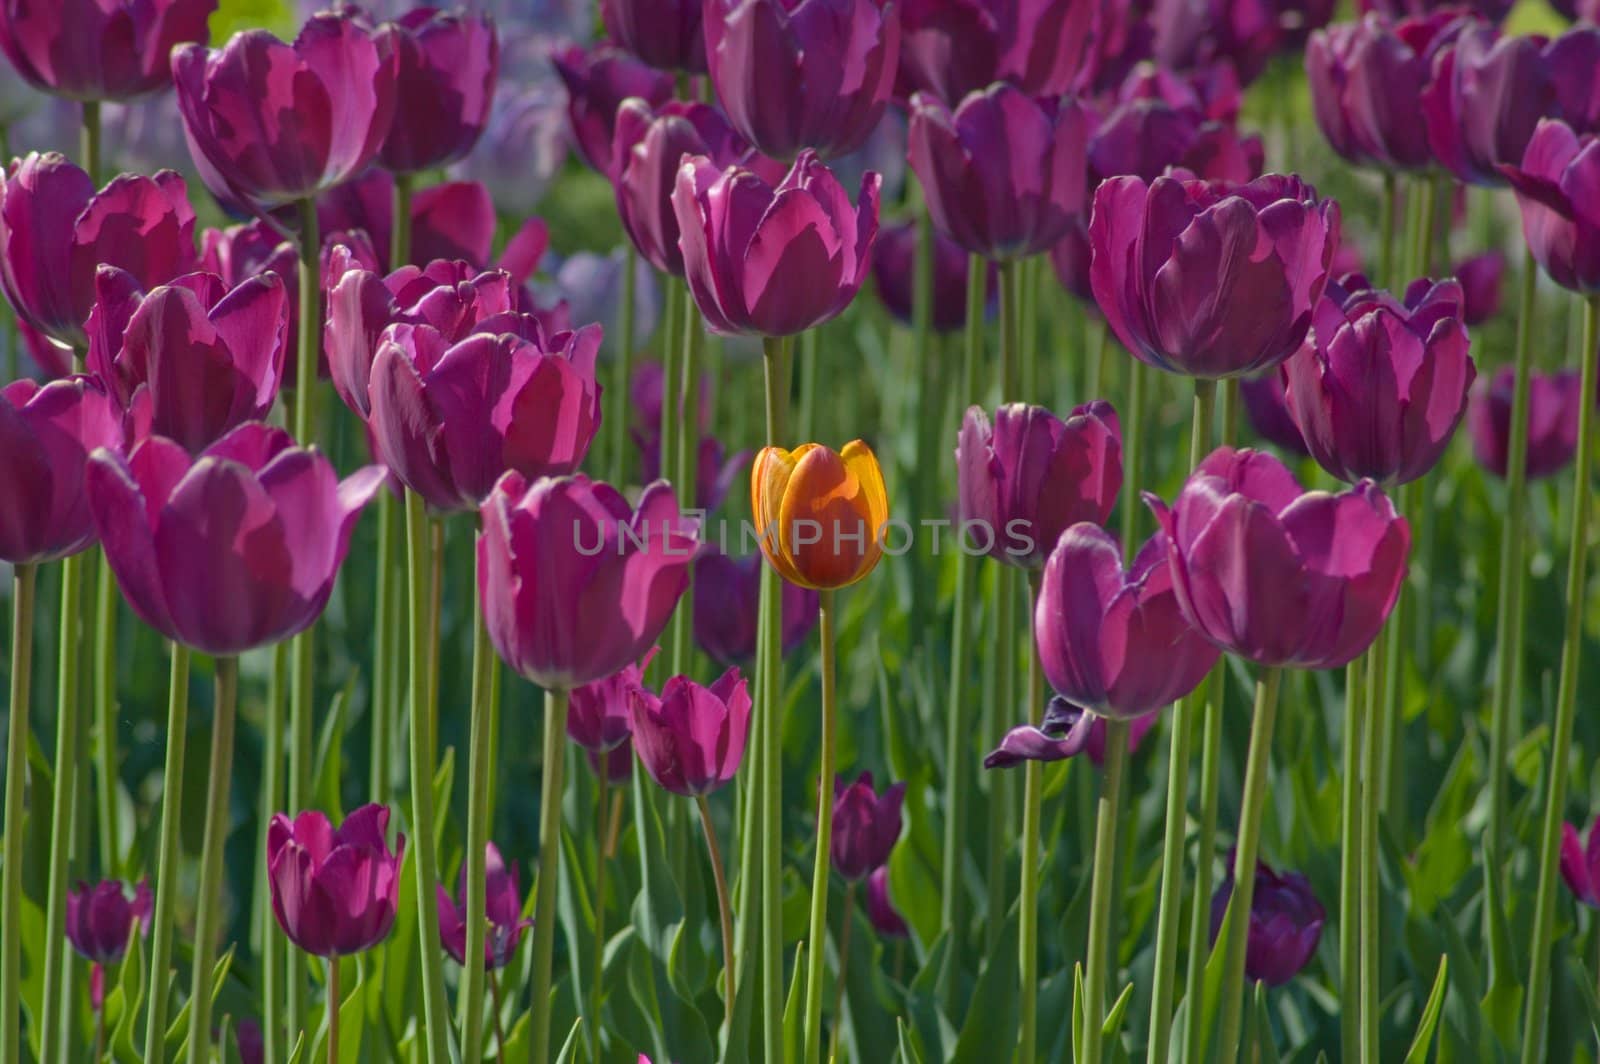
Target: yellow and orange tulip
820	512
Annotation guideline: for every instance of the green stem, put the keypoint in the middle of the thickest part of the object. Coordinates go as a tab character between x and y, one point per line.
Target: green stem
1133	443
435	615
1387	715
105	711
686	467
24	586
482	740
1010	356
1095	385
1377	665
544	911
844	962
400	224
1210	726
1386	229
274	945
817	943
333	1011
620	402
385	649
1028	898
771	765
958	777
972	347
1536	1026
724	908
1100	888
310	338
89	140
810	362
1349	865
208	909
167	886
999	715
601	802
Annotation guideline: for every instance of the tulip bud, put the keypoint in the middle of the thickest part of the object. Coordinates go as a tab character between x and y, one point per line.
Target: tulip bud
1554	404
1580	864
334	892
46	435
1480	278
502	909
101	918
866	825
597	82
820	513
1285	924
1267	409
692	738
445	71
600	714
1558	188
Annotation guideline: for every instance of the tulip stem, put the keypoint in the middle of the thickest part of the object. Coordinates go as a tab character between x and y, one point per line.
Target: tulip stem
1425	190
155	1035
1377	668
1350	864
1535	1027
105	710
208	909
275	956
385	647
770	764
686	465
724	907
1388	208
333	1011
1010	293
544	911
422	823
1210	727
400	223
499	1027
1235	929
621	403
1028	899
1000	712
1100	891
89	140
844	962
602	801
23	588
816	950
478	812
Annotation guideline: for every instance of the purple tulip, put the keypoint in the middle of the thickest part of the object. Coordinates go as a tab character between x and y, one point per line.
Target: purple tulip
277	122
1267	408
334	892
866	825
234	549
47	433
803	74
1580	864
1278	575
1066	731
56	230
449	419
953	47
1490	10
881	913
616	763
600	714
190	360
1145	137
666	34
99	50
1004	173
502	908
446	65
714	475
894	267
1285	924
1380	385
1070	258
248	1041
598	81
692	738
1554	402
772	261
1029	476
1481	278
1206	280
574	584
524	147
101	919
1248	34
453	220
1558	188
1211	91
727	591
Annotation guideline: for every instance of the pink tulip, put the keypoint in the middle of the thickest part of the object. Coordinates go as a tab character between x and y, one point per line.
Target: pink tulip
692	738
446	66
334	892
502	908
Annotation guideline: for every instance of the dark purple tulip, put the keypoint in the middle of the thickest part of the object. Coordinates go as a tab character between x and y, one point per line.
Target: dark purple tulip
1267	408
1554	401
453	220
953	47
1580	864
190	360
616	763
1247	33
692	738
101	918
99	50
574	584
1211	91
231	550
773	261
803	74
1491	10
334	892
248	1041
597	82
647	394
1030	476
866	826
714	475
1146	137
1004	173
600	714
1558	188
56	231
1070	258
1099	626
1489	92
1380	385
666	34
1066	731
449	419
47	433
1480	278
726	595
446	65
1278	575
894	267
1285	924
881	913
502	908
1209	280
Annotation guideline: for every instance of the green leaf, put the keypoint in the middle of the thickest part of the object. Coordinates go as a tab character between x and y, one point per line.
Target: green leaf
178	1029
794	1009
909	1054
329	763
1264	1051
1112	1028
569	1048
1077	1008
992	1015
299	1050
130	988
1418	1053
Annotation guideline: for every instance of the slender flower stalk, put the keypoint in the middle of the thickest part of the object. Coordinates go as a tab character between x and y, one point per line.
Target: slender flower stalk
155	1037
1100	889
596	970
400	224
544	910
1388	209
1349	862
25	583
208	910
1209	725
386	656
89	140
275	946
1376	666
724	908
844	962
481	751
1028	899
687	461
817	942
105	712
999	711
626	343
333	1009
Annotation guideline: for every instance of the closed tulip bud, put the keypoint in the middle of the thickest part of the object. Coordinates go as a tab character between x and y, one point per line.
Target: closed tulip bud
334	892
102	918
772	261
449	419
953	47
1209	280
99	50
1554	405
574	584
1580	864
445	71
1380	386
600	714
502	909
230	550
1481	277
894	269
248	1041
819	512
598	81
1285	924
881	913
866	825
1066	731
666	34
56	231
727	593
798	74
278	122
692	738
46	436
1558	189
1267	409
1028	477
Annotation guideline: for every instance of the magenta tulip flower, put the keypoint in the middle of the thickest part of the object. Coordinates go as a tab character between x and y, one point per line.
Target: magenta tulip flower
101	919
1580	864
600	714
1481	277
894	267
451	220
881	913
279	122
1278	575
446	66
597	82
1554	404
866	825
334	892
1209	280
1004	173
56	231
715	473
773	261
1558	188
1146	138
1489	10
233	549
247	1039
1066	731
666	34
574	584
1267	408
502	908
1285	923
727	591
47	433
803	74
99	49
953	47
1029	476
1380	386
692	738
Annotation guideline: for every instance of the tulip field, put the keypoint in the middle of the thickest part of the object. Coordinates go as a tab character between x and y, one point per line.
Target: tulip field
588	531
